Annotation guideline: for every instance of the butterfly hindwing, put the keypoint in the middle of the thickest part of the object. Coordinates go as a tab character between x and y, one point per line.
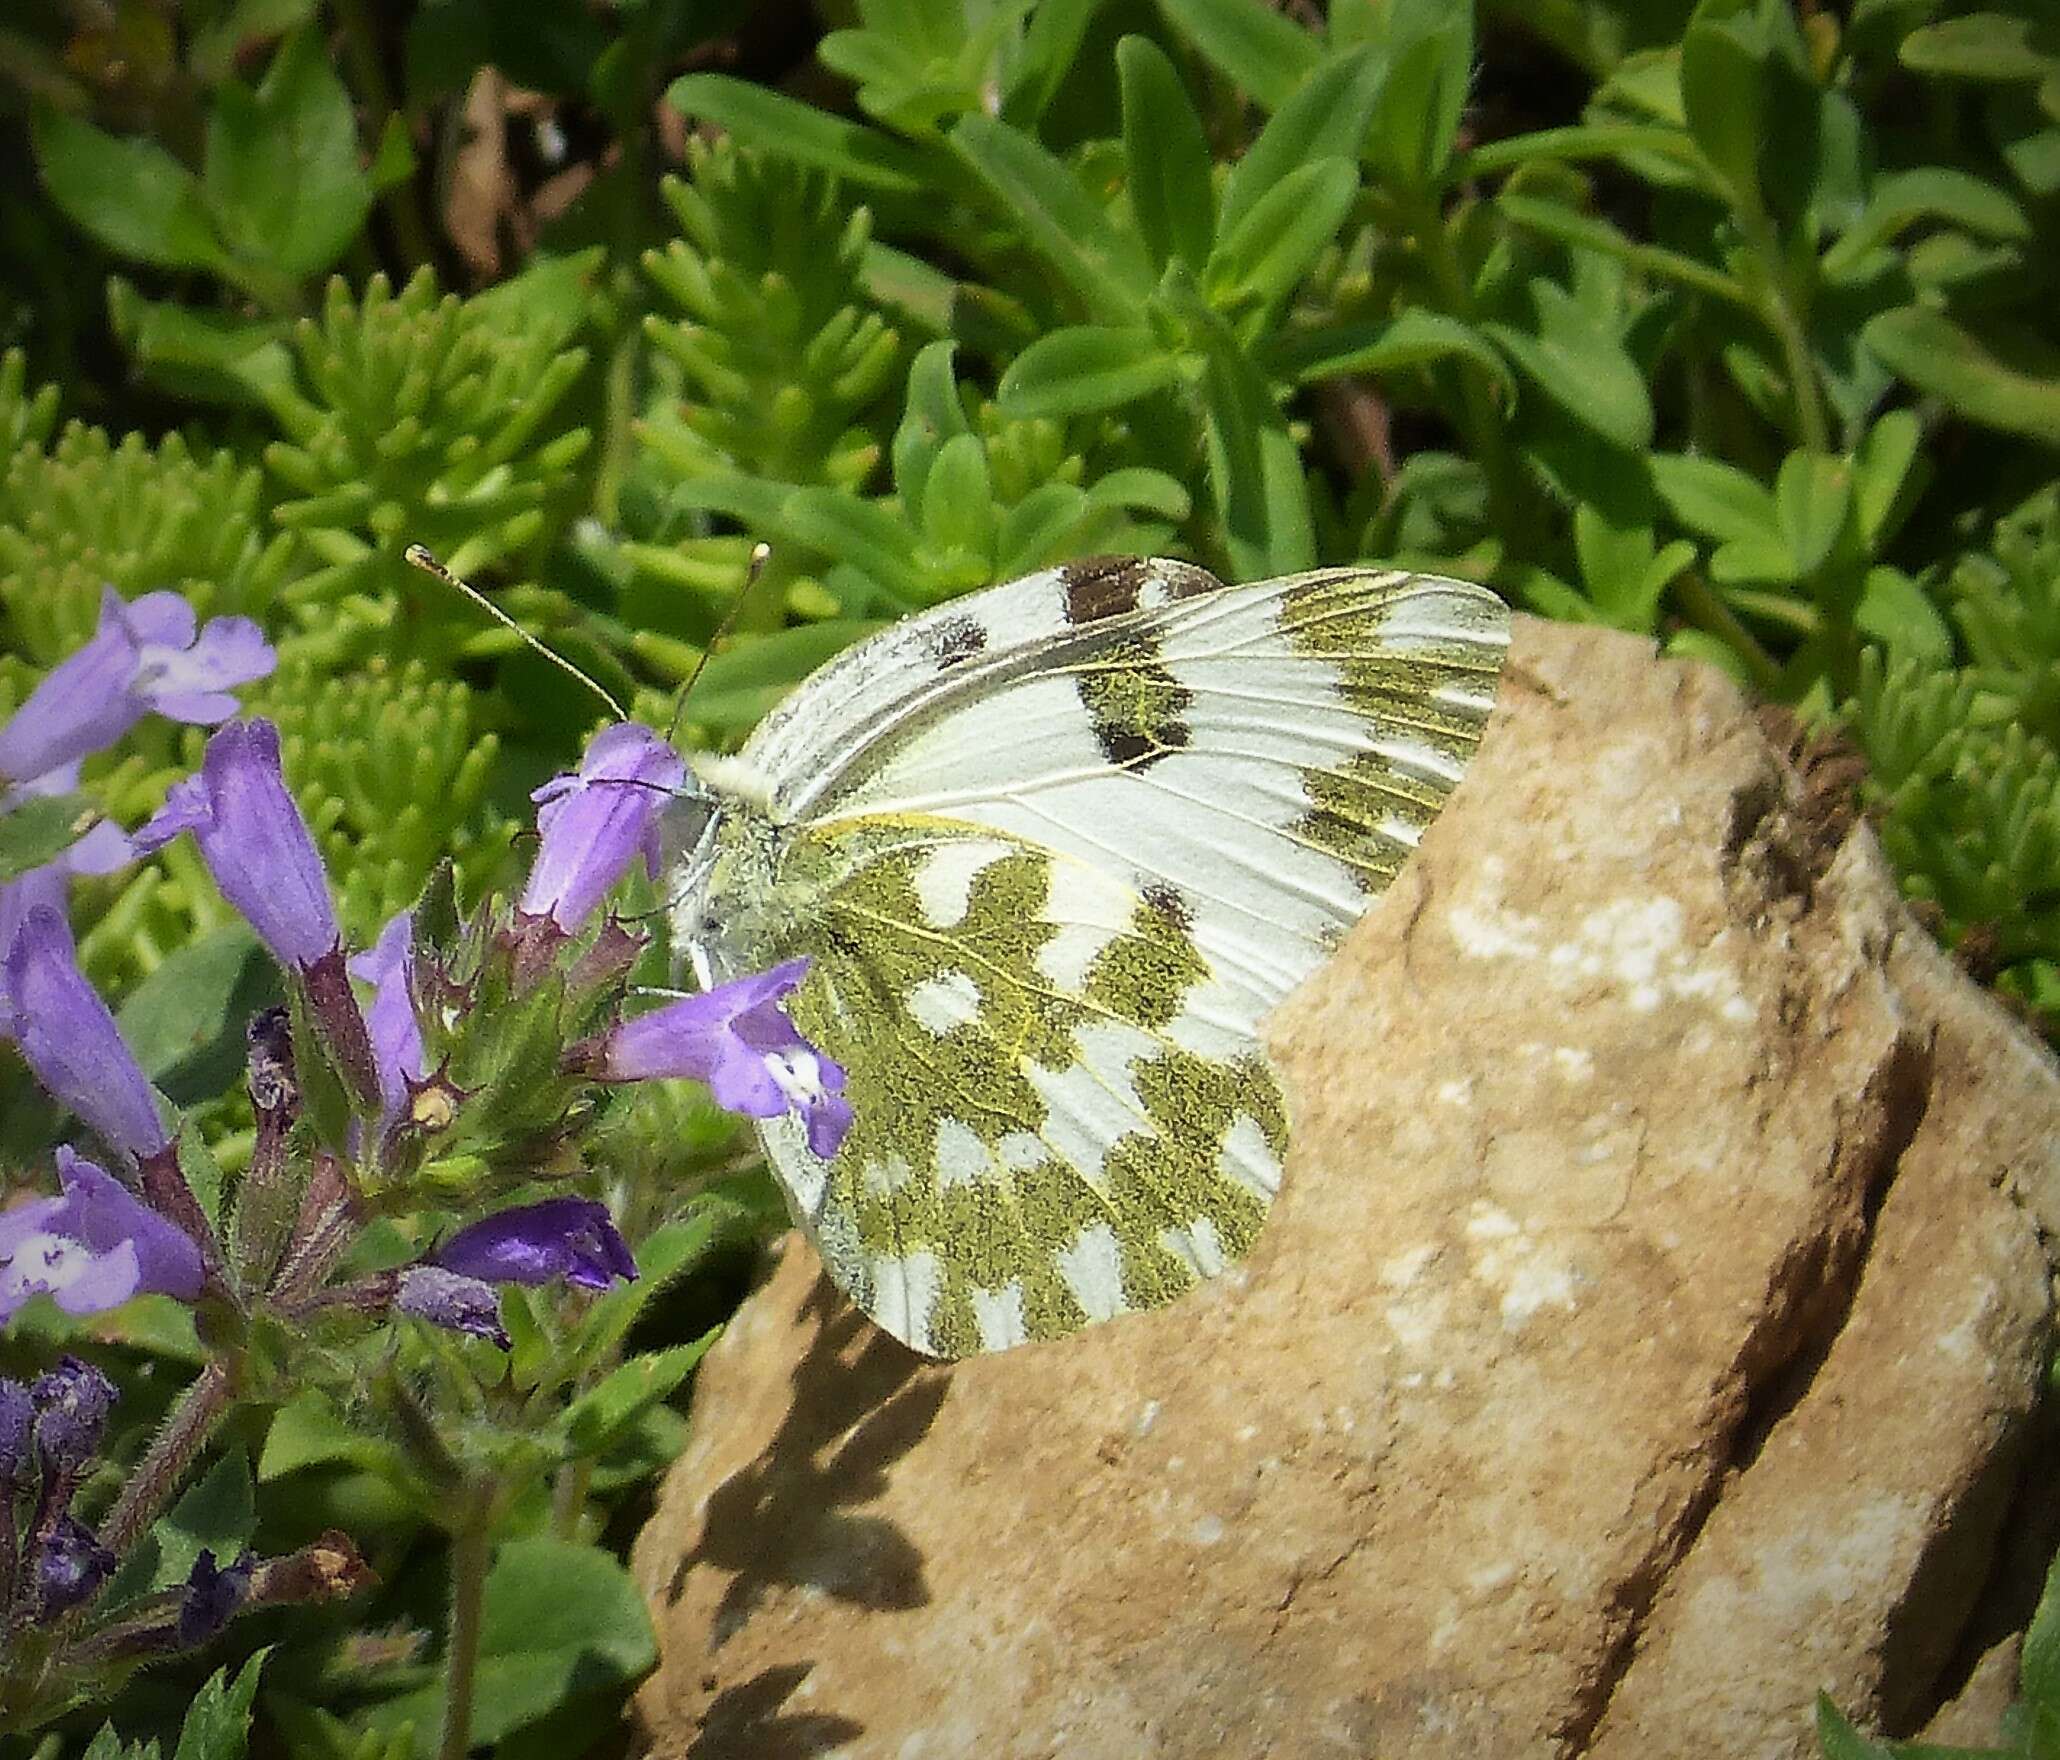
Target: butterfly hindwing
1054	849
1041	1138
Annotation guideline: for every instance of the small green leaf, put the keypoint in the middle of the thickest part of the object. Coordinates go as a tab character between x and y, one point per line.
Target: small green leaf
2039	1665
185	1022
1265	53
217	1725
958	500
2012	384
1059	218
1085	368
1896	612
1172	197
1255	473
1417	338
789	129
310	1432
1279	237
1839	1740
932	415
1326	118
1724	95
1983	46
597	1418
1812	495
40	830
1579	364
282	177
130	194
1933	192
1713	498
1429	48
1882	469
218	1515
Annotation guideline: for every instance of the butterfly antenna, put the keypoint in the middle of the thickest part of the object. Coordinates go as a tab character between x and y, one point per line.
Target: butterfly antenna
761	554
421	557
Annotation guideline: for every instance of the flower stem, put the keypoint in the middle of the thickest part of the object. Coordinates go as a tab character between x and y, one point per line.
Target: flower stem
193	1419
471	1554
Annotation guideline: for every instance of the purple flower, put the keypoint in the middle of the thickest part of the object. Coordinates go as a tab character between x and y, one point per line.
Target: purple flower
595	821
254	841
68	1037
144	656
451	1300
70	1567
104	848
738	1040
388	966
570	1238
211	1597
72	1402
91	1249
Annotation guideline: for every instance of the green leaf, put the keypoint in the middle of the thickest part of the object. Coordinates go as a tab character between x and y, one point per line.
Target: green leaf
130	194
40	830
1983	46
212	357
1896	612
1882	465
1059	218
1417	338
218	1515
2012	384
932	415
1265	53
1713	498
1724	95
1582	367
1166	155
1838	1738
785	128
1933	192
310	1432
281	176
2039	1665
562	1624
1085	368
597	1418
185	1022
217	1725
1327	118
958	501
1255	473
1812	496
1429	48
1279	237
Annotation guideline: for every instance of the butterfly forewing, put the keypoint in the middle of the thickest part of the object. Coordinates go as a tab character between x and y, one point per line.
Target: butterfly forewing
1055	849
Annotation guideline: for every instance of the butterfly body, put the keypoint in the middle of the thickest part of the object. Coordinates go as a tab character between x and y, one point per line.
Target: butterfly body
1052	851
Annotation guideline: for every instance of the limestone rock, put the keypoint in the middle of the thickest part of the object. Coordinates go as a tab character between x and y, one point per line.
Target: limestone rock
1647	1336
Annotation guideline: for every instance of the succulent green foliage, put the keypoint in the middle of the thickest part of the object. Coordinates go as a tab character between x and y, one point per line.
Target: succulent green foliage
416	417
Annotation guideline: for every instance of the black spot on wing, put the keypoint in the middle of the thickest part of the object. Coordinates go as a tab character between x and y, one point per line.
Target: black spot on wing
1135	705
956	639
1168	900
1098	587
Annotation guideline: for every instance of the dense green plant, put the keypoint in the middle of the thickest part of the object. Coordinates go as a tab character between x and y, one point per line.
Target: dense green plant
1725	323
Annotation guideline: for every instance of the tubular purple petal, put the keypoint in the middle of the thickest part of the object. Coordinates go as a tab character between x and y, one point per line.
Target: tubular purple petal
70	1567
72	1402
69	1039
93	1248
388	966
593	822
452	1300
254	842
571	1238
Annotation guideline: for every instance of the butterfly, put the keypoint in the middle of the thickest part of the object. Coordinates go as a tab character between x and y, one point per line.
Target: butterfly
1052	851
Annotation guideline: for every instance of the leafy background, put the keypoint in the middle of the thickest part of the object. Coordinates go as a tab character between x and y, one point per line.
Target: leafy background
1727	324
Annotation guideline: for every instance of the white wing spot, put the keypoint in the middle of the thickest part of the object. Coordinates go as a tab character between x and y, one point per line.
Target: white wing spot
1093	1269
1198	1245
1249	1159
962	1159
884	1178
904	1292
944	880
950	999
999	1315
1019	1151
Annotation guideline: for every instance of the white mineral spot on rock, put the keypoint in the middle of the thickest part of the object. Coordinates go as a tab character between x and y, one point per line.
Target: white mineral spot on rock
1207	1531
1487	1223
1147	1416
1458	1091
1400	1270
1574	1063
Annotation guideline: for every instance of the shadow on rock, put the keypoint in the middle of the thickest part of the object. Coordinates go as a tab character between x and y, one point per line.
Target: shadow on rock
860	1401
747	1719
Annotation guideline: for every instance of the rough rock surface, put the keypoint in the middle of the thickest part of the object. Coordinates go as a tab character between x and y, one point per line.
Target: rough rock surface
1648	1334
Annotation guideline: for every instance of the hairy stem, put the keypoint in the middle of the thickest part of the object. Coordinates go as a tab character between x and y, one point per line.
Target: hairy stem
471	1554
193	1419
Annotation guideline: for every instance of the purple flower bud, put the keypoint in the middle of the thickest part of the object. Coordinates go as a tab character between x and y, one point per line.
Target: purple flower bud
93	1248
212	1597
70	1567
254	841
570	1238
450	1299
17	1426
68	1037
593	822
72	1402
389	967
738	1040
144	656
104	848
